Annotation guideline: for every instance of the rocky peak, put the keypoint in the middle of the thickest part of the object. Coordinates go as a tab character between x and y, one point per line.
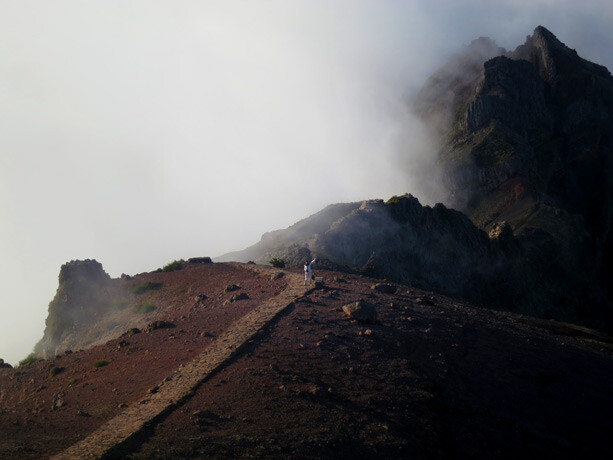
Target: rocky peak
83	271
81	293
551	57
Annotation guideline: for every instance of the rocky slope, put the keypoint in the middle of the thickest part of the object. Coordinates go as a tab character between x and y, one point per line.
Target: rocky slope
431	378
526	155
529	143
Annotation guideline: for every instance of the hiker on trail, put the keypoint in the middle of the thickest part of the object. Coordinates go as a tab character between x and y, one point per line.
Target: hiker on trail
308	273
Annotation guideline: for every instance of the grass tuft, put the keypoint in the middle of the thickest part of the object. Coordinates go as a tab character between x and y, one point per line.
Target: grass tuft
31	358
147	307
144	287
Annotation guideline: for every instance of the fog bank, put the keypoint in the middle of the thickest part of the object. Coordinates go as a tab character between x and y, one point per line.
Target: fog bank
141	132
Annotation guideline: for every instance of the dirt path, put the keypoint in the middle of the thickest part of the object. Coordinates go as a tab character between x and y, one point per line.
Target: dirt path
182	383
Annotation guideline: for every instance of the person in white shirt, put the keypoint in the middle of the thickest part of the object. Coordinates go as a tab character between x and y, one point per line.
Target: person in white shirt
308	272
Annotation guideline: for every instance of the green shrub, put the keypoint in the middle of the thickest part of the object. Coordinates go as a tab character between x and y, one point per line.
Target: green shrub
145	308
31	358
119	304
72	382
53	371
172	266
144	287
100	363
278	263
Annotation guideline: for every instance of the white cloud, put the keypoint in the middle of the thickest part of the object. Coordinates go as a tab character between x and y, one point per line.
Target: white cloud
140	132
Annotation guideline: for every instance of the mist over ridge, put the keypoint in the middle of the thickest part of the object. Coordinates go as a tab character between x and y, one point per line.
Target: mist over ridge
139	135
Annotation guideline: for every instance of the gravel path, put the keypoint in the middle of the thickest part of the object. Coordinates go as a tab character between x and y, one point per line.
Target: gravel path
182	383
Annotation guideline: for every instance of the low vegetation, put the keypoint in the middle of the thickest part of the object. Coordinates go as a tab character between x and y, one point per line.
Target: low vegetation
148	286
172	266
100	363
119	304
276	262
53	371
147	307
31	358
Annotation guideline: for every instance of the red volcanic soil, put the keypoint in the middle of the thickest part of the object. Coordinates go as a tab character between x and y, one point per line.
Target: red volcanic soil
433	378
32	426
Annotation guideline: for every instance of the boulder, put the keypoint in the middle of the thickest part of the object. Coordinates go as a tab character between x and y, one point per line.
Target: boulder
159	325
241	296
361	311
232	287
384	287
200	260
3	364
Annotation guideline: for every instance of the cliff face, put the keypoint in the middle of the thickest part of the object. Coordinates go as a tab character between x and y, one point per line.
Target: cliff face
530	144
84	292
526	154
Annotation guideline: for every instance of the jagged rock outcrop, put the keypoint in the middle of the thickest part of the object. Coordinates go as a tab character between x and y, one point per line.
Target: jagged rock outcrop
529	143
83	293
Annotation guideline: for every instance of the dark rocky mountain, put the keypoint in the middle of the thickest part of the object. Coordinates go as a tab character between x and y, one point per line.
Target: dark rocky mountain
526	157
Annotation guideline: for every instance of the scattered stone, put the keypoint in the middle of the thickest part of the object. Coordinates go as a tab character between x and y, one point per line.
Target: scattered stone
316	390
200	260
58	401
501	231
361	311
424	301
206	334
241	296
122	343
384	287
368	332
232	287
200	298
130	332
159	325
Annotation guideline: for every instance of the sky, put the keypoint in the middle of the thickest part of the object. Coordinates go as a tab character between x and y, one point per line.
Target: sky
140	132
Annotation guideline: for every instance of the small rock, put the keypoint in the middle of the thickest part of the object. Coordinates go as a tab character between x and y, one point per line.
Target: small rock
277	276
58	401
232	287
241	296
82	413
130	332
368	332
159	325
200	297
361	311
384	287
122	405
